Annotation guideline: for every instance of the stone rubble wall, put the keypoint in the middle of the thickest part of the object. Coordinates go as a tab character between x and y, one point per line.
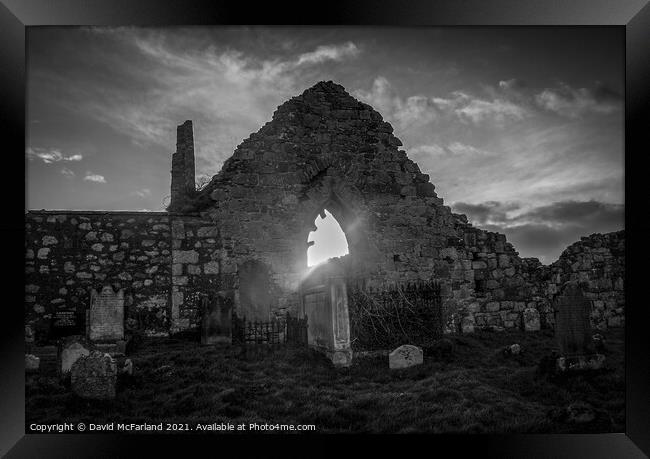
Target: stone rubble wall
69	253
201	265
496	285
164	262
597	262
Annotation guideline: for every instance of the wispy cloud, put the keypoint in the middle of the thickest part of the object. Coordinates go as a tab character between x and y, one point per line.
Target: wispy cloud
143	192
576	102
327	53
228	93
421	109
452	149
50	155
90	177
67	172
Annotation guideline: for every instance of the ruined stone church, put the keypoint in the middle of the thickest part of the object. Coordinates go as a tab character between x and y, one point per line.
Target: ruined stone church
244	235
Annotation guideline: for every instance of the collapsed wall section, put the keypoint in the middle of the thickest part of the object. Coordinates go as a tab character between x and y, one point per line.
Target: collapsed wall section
597	262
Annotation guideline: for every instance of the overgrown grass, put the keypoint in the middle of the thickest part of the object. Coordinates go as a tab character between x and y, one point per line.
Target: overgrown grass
475	389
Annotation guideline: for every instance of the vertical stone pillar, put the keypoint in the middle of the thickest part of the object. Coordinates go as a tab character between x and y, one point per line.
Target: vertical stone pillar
183	173
341	354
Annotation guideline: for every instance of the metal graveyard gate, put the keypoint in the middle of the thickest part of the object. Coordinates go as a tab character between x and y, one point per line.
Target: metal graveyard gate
283	330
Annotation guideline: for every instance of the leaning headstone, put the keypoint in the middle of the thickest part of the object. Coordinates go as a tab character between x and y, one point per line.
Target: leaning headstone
573	331
405	356
531	319
106	315
94	376
32	363
71	351
216	321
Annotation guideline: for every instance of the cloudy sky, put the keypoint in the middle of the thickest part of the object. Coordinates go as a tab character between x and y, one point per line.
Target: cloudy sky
521	129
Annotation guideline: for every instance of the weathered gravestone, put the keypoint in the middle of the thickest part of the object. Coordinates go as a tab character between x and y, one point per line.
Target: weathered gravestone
67	323
405	356
573	330
531	319
106	315
94	376
325	304
72	349
216	321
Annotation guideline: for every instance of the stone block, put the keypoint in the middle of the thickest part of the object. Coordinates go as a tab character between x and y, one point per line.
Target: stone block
531	319
32	363
211	267
208	231
405	356
467	324
185	256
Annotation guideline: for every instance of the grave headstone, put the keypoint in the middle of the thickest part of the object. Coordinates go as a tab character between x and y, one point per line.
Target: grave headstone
531	319
572	325
573	331
94	376
32	363
67	323
106	315
72	349
216	321
405	356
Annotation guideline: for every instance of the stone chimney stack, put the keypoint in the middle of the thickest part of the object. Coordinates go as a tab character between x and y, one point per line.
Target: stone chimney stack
183	184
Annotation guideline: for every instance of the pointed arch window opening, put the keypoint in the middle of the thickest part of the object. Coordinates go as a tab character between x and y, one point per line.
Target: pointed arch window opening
327	241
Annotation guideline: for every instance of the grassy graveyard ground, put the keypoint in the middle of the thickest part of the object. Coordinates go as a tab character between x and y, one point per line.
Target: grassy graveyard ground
474	389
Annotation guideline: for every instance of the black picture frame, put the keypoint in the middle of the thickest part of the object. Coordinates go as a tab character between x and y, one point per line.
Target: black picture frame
633	15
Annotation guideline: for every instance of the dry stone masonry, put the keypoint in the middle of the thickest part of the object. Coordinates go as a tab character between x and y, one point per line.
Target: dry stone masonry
244	235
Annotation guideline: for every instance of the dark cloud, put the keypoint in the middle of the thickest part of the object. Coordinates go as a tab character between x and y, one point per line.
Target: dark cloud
564	212
545	231
486	212
576	102
604	93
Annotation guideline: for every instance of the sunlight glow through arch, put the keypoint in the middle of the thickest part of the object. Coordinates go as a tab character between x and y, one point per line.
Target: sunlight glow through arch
329	240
